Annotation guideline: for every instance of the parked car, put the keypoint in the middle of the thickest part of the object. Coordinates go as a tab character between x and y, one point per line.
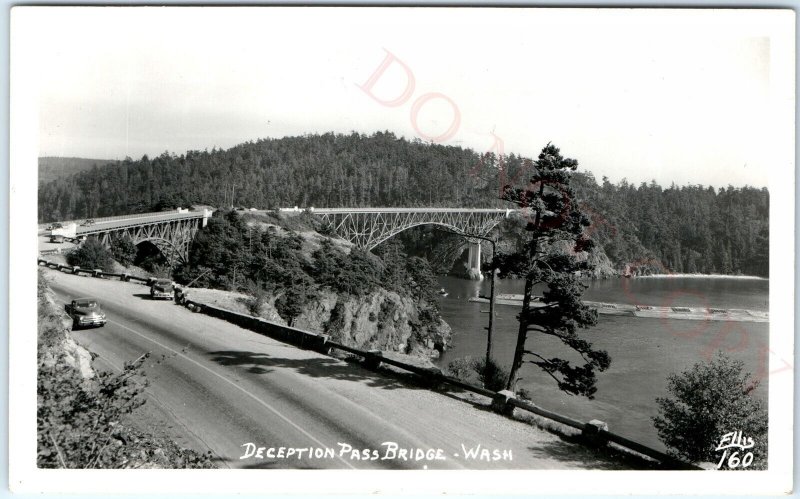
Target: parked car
56	238
85	312
162	288
89	221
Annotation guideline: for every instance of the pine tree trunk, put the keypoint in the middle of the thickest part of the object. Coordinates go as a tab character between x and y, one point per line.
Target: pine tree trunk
522	335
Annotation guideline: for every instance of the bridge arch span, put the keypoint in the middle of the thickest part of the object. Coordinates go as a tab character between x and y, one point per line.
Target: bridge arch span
454	229
171	237
172	251
368	227
170	231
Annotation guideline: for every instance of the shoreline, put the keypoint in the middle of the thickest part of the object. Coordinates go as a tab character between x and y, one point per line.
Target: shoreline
700	276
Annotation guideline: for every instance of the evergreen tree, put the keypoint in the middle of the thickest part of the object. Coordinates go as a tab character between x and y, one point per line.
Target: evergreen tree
92	254
706	402
123	250
554	220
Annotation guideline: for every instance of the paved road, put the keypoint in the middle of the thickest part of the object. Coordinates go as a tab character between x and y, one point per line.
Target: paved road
222	387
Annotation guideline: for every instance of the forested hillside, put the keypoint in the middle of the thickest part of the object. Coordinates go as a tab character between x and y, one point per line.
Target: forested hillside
650	227
692	229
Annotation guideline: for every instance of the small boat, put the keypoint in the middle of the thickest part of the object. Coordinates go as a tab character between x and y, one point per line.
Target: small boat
443	292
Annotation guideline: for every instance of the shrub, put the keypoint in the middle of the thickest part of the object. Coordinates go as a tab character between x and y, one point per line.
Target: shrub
293	301
123	250
708	401
491	374
258	296
81	423
335	324
92	254
463	369
476	371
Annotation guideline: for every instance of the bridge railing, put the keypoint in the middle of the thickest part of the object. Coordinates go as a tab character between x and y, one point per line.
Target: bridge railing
107	225
126	217
118	217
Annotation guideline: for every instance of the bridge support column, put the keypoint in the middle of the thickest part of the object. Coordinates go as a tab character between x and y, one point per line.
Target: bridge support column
474	261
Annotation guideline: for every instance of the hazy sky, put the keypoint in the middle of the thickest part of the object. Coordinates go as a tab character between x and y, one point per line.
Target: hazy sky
664	95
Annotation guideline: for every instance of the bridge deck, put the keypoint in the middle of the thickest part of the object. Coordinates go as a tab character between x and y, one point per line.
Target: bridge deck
103	225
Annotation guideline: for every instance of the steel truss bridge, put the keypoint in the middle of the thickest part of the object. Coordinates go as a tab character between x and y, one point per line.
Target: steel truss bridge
368	227
170	232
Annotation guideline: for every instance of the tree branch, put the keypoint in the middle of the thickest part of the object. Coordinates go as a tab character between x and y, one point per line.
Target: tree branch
58	450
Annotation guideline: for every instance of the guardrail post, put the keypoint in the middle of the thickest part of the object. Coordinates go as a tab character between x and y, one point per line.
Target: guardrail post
373	361
592	433
320	344
434	379
501	402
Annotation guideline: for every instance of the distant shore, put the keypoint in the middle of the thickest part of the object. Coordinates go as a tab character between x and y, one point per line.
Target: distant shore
702	276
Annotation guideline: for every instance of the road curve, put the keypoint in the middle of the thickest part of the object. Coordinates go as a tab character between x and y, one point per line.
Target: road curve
223	387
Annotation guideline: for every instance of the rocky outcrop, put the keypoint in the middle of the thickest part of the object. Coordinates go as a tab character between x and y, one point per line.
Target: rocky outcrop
382	320
55	342
236	302
602	268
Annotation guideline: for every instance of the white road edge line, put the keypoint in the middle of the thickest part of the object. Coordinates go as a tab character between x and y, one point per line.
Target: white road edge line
266	405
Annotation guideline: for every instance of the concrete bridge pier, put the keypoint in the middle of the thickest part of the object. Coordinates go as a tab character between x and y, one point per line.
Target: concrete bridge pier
474	260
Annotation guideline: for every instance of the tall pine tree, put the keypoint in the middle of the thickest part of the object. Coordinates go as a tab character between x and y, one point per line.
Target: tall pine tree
555	222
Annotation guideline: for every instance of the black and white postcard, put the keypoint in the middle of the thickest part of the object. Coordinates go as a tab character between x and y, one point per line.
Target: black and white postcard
473	250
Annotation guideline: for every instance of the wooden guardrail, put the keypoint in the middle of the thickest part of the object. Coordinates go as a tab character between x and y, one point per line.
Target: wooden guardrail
503	402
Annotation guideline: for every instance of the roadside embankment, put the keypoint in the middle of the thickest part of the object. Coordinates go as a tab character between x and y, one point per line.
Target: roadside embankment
92	419
381	321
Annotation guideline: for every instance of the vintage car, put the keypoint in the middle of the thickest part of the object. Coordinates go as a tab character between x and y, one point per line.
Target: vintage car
161	288
85	312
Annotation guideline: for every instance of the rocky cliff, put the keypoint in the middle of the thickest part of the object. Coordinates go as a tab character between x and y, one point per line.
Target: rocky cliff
382	320
55	344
